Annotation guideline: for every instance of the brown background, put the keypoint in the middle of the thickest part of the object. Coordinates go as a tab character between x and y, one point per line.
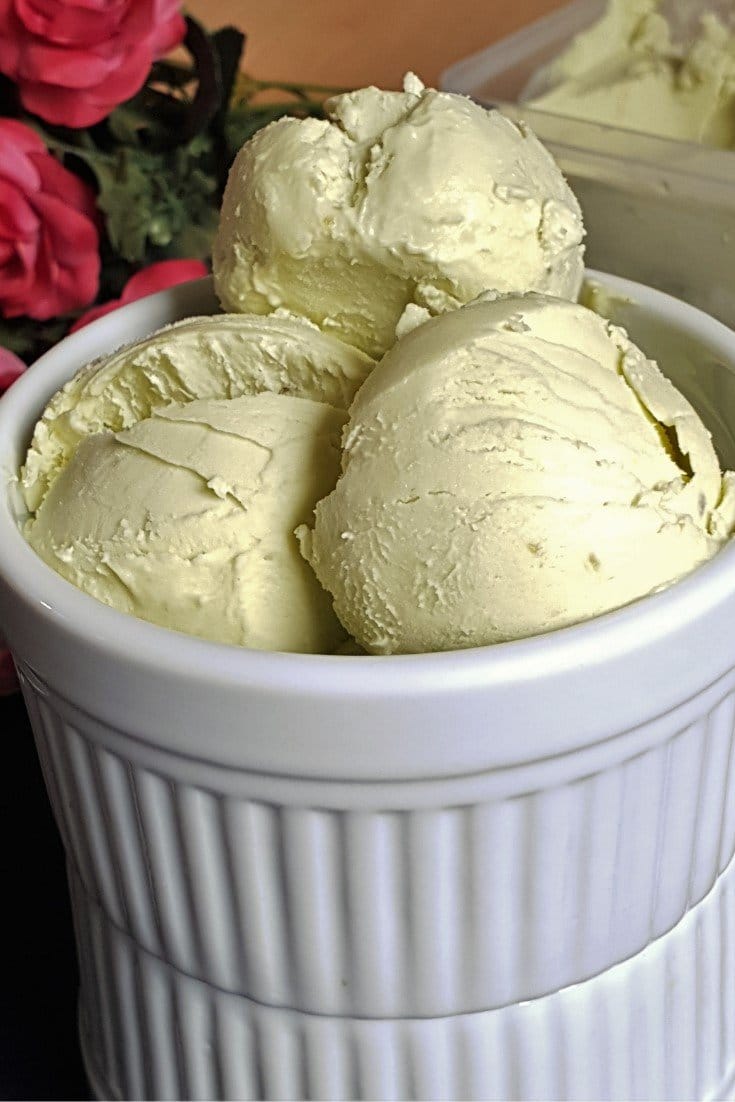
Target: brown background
356	42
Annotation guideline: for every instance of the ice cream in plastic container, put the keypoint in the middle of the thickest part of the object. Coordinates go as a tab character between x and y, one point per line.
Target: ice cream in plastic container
658	209
648	66
500	871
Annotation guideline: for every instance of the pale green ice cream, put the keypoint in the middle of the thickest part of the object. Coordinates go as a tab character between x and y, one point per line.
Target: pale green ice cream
513	467
395	198
208	357
186	519
628	71
167	479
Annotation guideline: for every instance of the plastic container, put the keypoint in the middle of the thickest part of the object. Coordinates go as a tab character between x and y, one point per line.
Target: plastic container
658	211
311	876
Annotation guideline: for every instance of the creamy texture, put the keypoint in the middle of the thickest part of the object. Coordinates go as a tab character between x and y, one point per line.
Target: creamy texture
509	468
207	357
186	519
627	71
167	479
397	197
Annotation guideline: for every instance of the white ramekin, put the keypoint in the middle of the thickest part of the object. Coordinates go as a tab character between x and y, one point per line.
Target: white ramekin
658	1026
401	837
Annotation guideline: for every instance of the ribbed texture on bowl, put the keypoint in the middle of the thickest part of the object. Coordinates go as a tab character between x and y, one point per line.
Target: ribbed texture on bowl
660	1026
458	896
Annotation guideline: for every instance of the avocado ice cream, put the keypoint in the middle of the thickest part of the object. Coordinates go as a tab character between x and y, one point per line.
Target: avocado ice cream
167	479
512	467
631	69
207	357
395	198
186	519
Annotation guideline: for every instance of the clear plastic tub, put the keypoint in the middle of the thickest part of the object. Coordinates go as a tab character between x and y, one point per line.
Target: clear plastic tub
658	211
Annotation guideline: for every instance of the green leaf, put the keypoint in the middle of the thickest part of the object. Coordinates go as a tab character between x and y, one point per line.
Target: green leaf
195	238
16	335
127	200
29	338
129	122
159	203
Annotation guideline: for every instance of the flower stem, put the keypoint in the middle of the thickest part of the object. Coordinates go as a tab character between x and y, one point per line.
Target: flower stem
85	152
246	87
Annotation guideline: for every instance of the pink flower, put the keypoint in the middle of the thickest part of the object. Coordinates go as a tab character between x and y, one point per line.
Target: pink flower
75	60
156	277
11	366
49	259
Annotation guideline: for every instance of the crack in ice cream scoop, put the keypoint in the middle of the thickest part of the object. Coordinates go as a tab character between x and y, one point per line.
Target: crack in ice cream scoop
207	357
510	468
167	479
396	197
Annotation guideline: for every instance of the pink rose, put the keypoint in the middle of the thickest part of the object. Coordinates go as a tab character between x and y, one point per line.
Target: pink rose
49	259
75	60
156	277
11	366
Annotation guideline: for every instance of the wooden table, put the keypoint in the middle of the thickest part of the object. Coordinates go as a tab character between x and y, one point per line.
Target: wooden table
357	42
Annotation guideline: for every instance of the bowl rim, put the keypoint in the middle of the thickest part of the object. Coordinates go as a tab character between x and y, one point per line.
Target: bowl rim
58	603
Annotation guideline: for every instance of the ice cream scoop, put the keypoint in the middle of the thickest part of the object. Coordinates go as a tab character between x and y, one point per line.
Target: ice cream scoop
513	467
167	479
206	357
395	198
186	519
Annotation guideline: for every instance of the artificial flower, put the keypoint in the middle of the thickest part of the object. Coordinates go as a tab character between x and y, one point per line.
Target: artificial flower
11	366
113	156
156	277
75	60
49	258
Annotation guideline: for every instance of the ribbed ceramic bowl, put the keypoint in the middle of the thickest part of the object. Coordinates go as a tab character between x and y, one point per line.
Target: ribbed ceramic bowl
660	1025
403	837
